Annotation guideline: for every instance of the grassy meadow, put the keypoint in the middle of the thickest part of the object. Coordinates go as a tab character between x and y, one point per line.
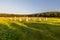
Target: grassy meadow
43	30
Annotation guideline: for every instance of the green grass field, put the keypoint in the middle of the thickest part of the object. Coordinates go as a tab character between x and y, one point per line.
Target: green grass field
45	30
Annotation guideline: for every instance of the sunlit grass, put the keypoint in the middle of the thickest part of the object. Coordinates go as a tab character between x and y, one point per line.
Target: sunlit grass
30	30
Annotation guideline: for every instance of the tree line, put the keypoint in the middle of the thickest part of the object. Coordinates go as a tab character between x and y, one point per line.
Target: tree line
45	14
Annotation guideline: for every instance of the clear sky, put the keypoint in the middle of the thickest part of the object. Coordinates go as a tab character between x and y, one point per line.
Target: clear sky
28	6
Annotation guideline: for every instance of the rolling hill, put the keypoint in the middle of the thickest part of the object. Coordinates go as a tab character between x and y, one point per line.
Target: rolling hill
43	14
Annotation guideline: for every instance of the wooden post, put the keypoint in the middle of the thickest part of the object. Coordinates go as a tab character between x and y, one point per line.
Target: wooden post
20	19
15	19
39	18
45	18
27	18
11	18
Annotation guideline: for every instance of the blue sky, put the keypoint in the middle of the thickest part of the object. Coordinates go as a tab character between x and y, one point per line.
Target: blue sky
28	6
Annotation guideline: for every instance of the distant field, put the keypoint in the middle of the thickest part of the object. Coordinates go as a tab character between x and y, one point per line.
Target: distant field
43	30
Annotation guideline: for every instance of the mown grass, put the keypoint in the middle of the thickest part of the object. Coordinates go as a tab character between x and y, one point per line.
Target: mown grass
15	30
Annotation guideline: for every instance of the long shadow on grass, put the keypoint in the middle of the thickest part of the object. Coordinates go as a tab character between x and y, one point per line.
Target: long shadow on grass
49	32
9	34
